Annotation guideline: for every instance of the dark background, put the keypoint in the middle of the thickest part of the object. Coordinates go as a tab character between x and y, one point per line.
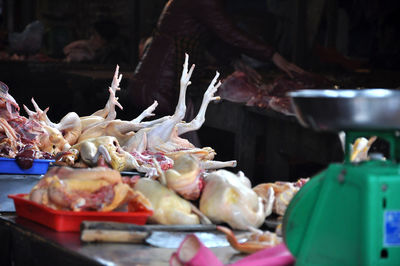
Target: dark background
365	31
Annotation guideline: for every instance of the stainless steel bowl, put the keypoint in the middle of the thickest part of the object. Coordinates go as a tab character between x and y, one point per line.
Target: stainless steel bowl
336	110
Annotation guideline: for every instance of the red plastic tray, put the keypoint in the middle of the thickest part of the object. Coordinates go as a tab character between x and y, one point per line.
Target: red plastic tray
69	221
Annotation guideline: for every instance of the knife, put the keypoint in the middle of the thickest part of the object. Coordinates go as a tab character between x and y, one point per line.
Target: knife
92	231
147	227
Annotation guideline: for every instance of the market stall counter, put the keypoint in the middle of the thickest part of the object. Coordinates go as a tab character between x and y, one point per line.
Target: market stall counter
14	184
24	242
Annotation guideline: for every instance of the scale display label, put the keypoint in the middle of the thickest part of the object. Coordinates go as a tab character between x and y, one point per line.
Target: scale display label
392	228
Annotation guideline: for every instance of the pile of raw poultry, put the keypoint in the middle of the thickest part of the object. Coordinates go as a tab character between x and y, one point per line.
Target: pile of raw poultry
180	184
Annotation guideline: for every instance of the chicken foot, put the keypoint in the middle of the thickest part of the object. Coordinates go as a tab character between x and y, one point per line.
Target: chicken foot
146	113
210	164
198	121
69	126
180	110
40	115
108	111
175	125
163	131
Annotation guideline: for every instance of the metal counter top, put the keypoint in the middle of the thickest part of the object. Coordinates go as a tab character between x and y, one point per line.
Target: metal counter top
15	184
24	242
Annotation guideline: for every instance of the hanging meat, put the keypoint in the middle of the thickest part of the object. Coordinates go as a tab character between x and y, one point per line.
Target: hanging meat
246	86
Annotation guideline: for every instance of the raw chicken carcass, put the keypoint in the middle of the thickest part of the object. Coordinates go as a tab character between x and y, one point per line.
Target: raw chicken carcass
53	142
283	191
107	147
9	108
229	198
9	144
104	122
143	139
26	129
97	189
164	137
75	129
168	207
71	125
156	137
18	132
360	148
185	178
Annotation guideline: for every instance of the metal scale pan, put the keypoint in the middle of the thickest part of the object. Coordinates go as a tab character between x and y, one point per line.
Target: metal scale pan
336	110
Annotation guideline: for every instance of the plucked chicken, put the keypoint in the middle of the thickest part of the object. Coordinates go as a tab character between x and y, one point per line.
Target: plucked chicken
283	193
71	125
228	198
94	189
155	138
185	178
142	141
164	137
106	148
169	208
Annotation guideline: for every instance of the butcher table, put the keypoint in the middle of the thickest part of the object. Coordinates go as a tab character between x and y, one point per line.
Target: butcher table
24	242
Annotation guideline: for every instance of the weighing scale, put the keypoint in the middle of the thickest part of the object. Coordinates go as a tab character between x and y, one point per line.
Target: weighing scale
349	214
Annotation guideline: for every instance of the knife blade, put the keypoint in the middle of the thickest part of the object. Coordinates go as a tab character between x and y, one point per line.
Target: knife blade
148	227
168	236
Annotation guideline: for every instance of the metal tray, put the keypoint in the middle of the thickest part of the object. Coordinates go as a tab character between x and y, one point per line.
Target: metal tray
336	110
15	184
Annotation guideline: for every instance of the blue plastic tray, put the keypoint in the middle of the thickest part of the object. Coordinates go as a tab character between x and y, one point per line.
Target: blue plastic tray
10	166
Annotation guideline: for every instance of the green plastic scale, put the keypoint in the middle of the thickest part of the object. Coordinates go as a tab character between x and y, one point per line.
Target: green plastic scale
349	214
